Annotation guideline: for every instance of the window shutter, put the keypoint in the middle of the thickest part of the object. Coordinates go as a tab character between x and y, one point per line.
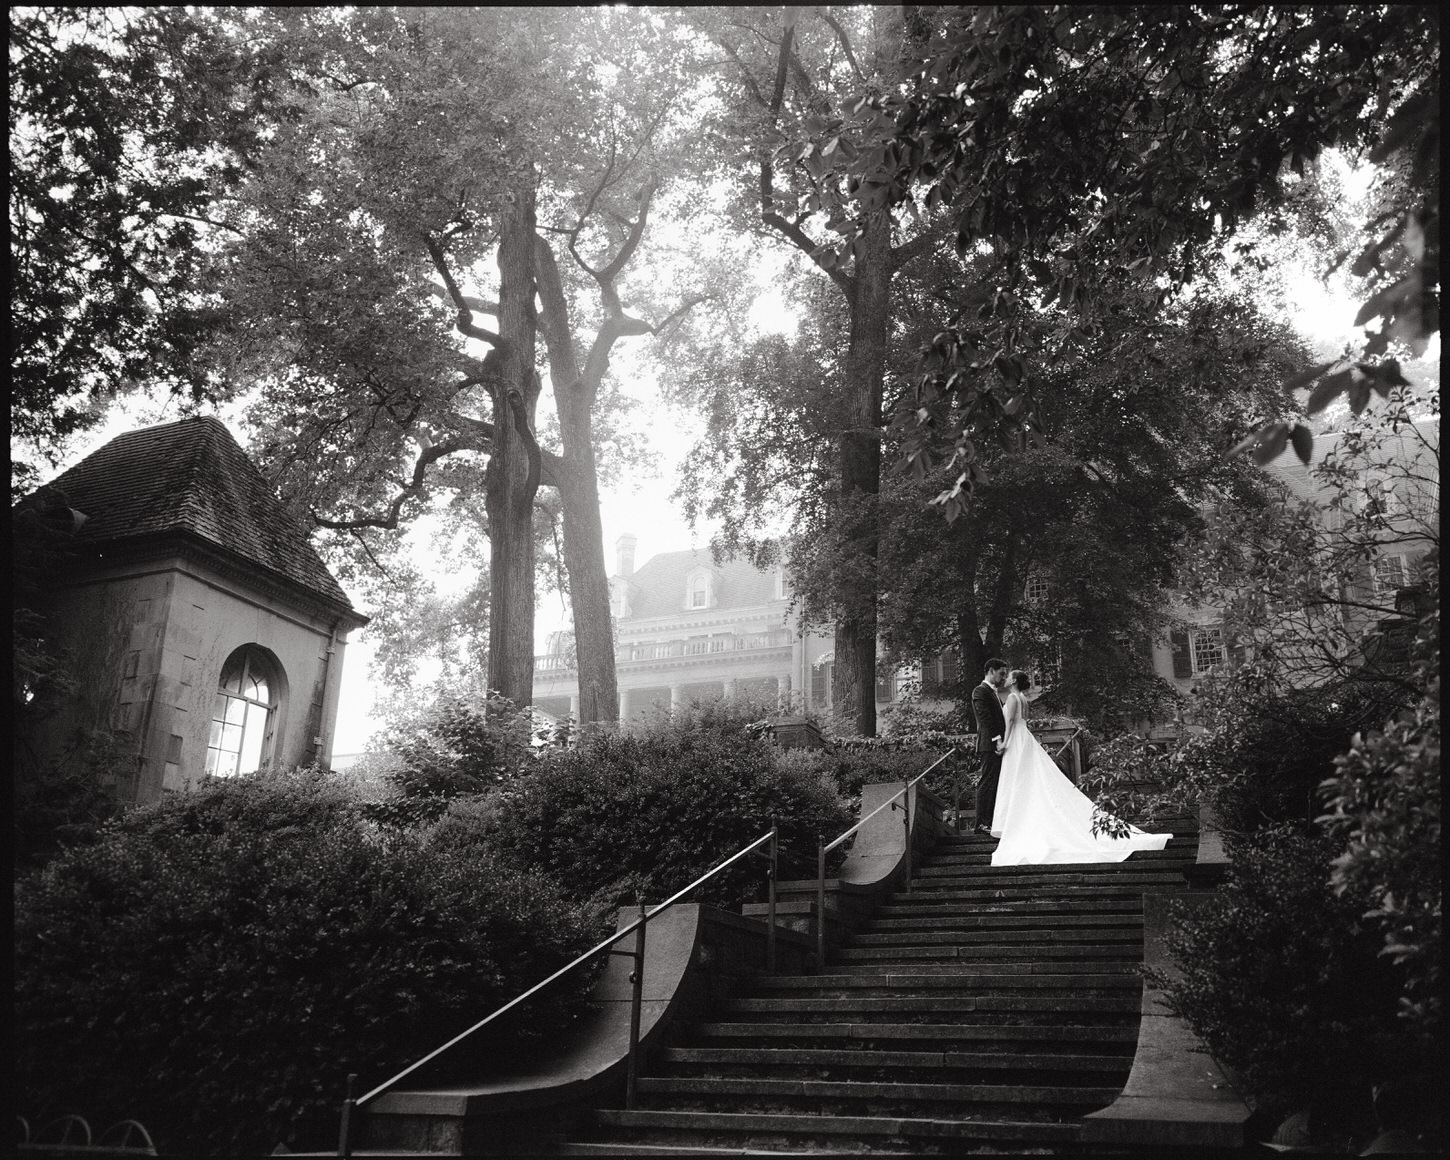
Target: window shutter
949	668
1182	658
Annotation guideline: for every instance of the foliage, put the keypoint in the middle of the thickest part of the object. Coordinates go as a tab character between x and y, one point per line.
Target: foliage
218	962
462	741
125	125
1295	572
1076	143
1281	979
645	813
1383	809
1257	763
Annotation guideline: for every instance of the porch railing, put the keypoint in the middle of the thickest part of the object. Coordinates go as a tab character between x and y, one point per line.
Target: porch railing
351	1105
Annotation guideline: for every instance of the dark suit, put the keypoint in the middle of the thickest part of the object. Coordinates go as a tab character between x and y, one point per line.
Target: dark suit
991	723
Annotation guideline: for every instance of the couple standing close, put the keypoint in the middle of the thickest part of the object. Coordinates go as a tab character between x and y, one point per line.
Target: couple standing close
1023	798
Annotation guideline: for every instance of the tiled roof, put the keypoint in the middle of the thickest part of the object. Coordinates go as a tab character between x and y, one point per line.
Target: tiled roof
192	477
659	583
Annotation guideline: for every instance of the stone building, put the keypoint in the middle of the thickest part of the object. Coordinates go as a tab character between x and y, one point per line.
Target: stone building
201	630
689	629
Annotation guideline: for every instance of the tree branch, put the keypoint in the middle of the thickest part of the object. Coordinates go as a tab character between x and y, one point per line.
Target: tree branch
431	453
481	305
464	320
825	14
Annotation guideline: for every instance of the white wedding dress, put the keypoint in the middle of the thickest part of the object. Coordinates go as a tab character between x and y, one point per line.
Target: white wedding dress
1041	817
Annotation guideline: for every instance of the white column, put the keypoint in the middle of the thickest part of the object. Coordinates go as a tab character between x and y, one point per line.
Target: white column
574	706
677	697
782	690
730	688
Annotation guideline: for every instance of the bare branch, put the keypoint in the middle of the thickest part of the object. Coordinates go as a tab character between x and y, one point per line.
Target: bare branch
464	320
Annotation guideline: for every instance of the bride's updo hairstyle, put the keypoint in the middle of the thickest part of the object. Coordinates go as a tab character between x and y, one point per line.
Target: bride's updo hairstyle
1020	679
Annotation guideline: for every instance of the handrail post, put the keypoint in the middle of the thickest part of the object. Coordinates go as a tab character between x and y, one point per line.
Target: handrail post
770	917
906	823
631	1081
820	904
344	1131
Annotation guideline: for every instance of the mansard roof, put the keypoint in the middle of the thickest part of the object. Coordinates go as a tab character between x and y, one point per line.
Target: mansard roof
192	479
659	584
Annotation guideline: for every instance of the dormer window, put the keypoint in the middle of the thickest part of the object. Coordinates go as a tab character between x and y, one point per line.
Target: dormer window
699	589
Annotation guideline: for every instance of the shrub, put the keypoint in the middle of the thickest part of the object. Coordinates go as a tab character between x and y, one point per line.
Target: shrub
649	811
461	742
1383	804
1286	986
217	963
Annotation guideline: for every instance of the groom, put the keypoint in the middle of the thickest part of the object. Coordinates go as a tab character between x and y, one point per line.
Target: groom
991	725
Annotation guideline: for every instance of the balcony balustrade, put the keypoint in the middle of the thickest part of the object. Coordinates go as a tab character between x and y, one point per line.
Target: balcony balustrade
664	649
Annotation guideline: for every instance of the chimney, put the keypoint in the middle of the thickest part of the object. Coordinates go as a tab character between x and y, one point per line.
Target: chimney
624	554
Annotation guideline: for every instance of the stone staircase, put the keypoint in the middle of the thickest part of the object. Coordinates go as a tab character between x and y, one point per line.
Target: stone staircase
984	1010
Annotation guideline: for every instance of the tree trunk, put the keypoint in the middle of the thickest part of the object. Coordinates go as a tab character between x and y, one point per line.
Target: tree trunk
969	627
853	685
575	391
584	561
512	476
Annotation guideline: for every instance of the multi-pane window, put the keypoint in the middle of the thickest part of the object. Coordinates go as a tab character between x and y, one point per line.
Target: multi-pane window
242	715
699	592
1207	649
1048	669
1390	575
1036	591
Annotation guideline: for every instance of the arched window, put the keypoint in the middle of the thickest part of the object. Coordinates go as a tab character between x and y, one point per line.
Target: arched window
244	714
700	592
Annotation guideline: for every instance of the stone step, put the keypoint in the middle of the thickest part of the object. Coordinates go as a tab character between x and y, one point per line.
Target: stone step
950	966
989	923
764	1131
1045	908
896	1093
916	1032
1110	1058
754	1095
1028	885
1175	851
986	1006
947	901
923	932
1022	977
1070	955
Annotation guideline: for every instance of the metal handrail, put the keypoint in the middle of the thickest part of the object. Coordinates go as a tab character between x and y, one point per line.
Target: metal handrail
823	848
351	1105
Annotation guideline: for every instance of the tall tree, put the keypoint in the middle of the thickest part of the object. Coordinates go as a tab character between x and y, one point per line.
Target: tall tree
799	76
442	141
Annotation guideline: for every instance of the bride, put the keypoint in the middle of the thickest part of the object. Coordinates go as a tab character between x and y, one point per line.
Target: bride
1042	817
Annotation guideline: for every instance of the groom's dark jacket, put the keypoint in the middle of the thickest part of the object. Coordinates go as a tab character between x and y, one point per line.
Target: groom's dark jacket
990	720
